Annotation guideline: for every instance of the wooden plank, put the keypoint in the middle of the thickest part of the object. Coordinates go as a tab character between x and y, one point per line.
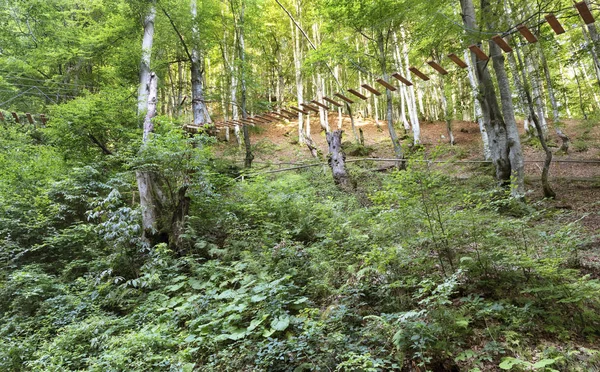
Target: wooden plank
278	115
1	116
335	103
527	34
43	119
343	97
371	89
402	79
309	107
258	120
30	118
436	66
416	71
478	52
555	24
585	13
289	112
456	59
271	116
16	117
386	85
502	43
320	104
299	110
358	94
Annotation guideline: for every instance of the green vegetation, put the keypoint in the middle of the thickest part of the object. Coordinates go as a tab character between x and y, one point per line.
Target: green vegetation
285	273
131	238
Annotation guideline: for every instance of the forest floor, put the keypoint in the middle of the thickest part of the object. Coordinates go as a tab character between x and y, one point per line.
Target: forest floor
574	178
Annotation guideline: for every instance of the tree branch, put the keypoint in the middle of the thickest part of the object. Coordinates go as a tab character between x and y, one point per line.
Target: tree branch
185	47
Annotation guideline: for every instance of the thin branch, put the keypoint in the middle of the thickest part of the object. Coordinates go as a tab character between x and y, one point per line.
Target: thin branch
185	47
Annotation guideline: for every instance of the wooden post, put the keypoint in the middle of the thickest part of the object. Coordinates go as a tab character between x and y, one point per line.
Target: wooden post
1	116
43	119
16	117
30	118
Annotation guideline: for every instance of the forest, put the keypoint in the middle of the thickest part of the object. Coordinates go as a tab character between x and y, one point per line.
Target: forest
299	185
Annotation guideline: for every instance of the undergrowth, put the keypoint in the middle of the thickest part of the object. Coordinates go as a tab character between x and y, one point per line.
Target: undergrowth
287	273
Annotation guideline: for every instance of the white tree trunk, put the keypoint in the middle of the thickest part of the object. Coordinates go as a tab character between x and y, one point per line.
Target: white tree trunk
147	40
412	102
199	109
298	74
477	106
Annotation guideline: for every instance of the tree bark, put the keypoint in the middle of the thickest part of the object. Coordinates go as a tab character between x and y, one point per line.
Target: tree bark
297	52
389	112
513	142
477	106
337	160
548	192
147	40
564	148
492	115
151	197
199	109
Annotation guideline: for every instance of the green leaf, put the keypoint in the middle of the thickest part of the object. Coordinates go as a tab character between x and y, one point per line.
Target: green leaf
543	363
280	323
196	284
256	322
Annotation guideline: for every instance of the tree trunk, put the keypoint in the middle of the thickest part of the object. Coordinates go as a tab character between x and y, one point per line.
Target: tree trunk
242	54
403	94
492	116
447	116
564	148
337	160
199	109
298	72
411	98
389	112
477	106
515	154
151	197
147	40
548	192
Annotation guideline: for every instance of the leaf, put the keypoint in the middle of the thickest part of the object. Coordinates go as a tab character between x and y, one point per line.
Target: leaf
256	322
509	362
196	284
237	334
543	363
280	323
257	298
